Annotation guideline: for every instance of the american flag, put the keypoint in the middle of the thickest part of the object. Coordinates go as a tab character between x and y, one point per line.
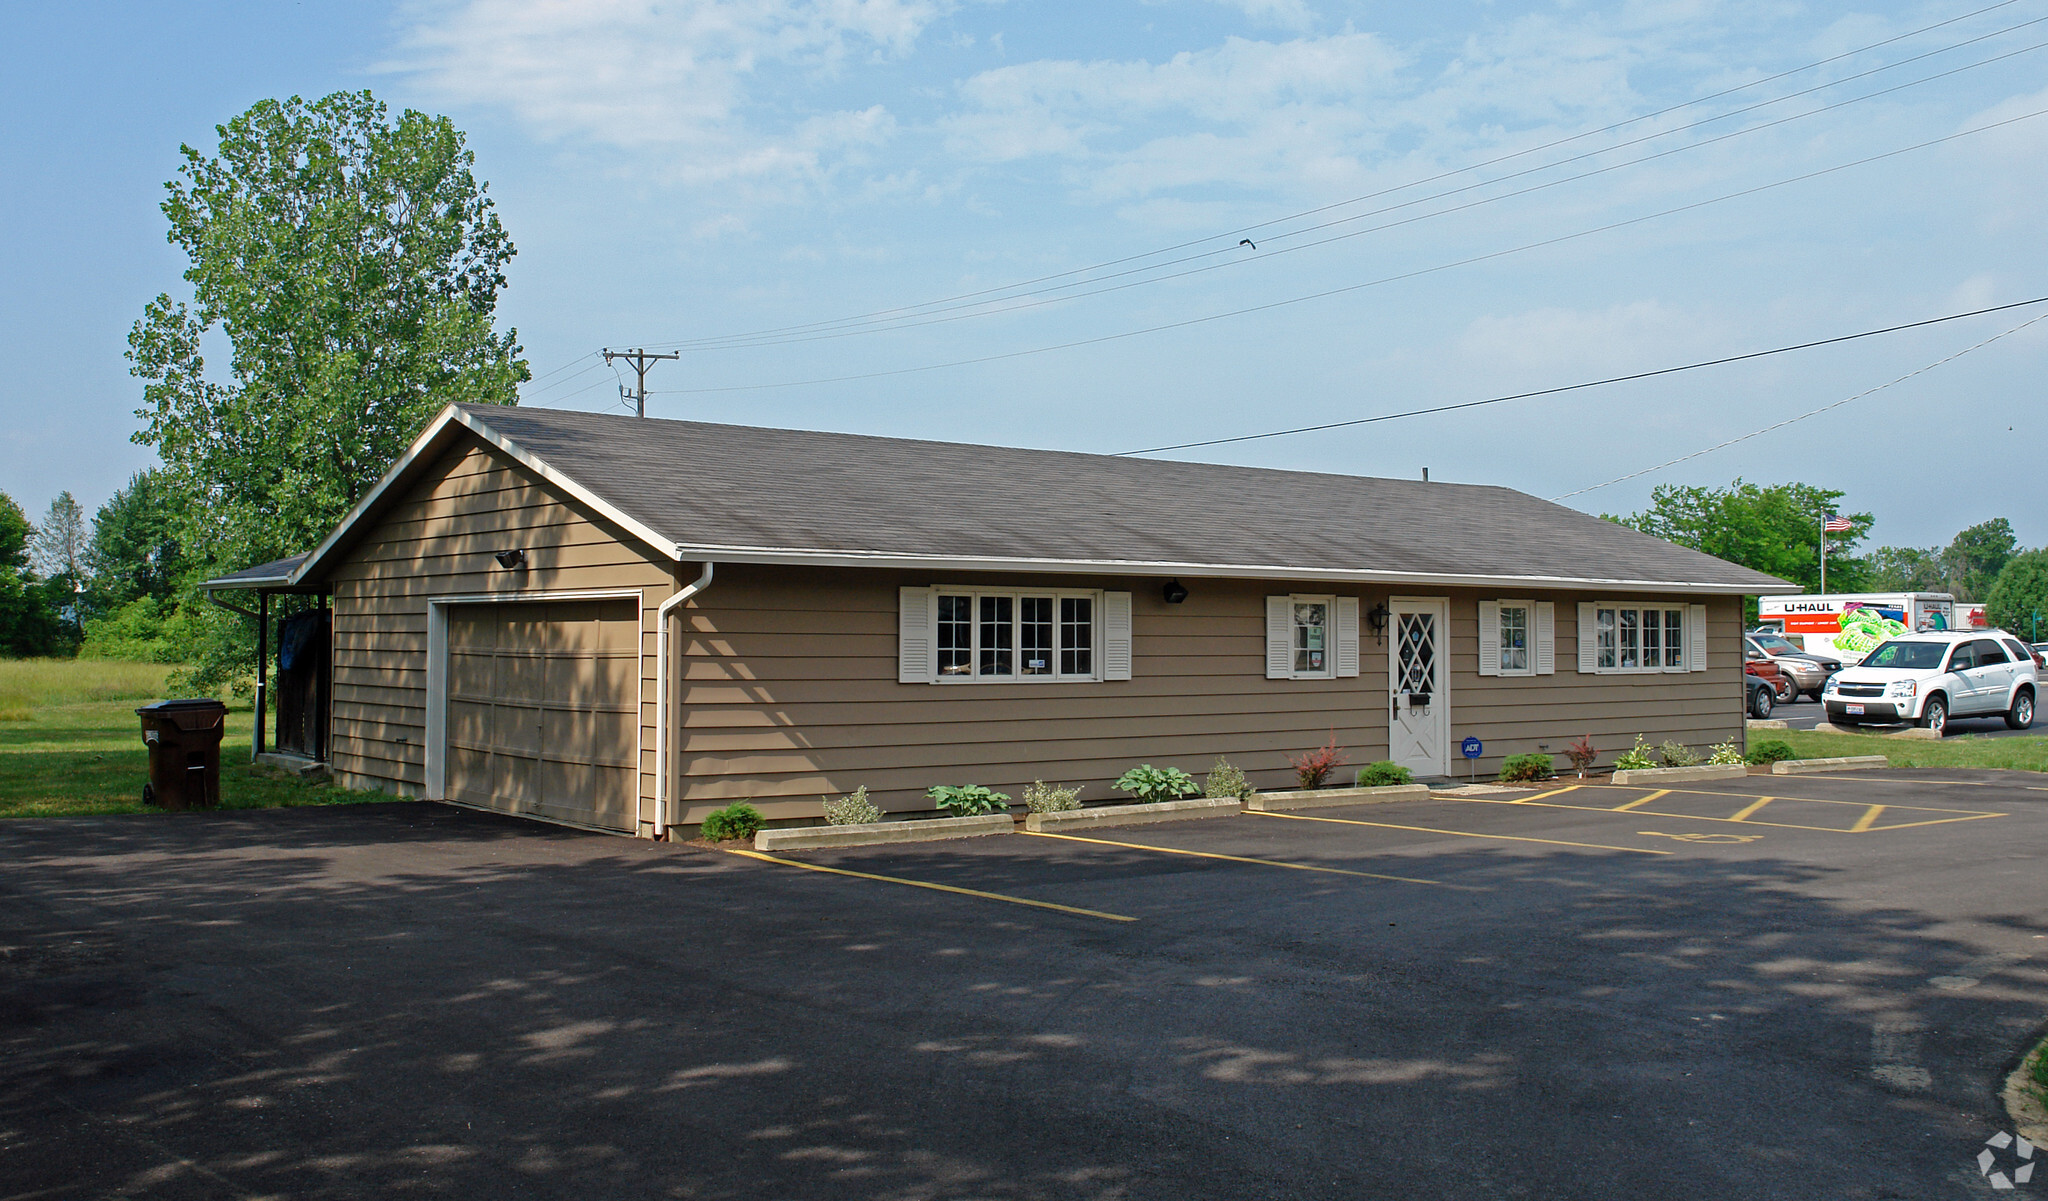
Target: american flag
1837	524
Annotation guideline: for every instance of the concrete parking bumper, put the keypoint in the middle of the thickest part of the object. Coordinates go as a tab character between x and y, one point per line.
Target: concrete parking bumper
1130	815
798	838
1323	798
1794	767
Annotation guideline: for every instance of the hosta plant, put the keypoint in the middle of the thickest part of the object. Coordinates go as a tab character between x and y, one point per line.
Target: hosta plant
968	800
1635	758
1152	784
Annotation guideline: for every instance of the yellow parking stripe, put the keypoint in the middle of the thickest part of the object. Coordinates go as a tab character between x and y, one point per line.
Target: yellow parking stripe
1539	796
1624	808
1299	867
1352	821
1749	809
1868	819
1952	815
965	892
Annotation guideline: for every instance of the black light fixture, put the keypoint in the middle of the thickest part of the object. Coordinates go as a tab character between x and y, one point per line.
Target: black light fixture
1175	592
511	560
1377	619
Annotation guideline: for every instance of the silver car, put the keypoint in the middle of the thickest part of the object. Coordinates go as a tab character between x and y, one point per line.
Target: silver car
1803	672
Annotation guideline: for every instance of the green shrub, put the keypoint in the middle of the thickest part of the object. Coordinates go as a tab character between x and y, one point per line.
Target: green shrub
145	630
1384	774
737	820
1149	783
853	809
1725	754
1041	797
1677	754
1225	781
968	800
1772	750
1532	766
1635	758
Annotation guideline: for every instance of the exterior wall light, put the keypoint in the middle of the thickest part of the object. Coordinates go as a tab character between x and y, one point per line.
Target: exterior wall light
1377	619
511	560
1175	592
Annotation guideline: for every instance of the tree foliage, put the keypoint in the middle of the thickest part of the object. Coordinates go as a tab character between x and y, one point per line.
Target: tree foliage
135	550
354	263
2020	594
1967	567
27	625
1774	529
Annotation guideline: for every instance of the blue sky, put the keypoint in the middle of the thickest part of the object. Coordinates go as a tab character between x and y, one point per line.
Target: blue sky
695	170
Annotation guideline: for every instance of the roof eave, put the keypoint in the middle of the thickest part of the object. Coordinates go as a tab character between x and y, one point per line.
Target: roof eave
1256	571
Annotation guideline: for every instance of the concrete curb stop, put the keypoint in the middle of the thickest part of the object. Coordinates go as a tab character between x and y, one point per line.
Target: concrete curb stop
1323	798
1130	815
1793	767
797	838
1705	771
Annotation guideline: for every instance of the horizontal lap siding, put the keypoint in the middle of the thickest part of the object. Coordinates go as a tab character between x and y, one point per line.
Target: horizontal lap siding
439	540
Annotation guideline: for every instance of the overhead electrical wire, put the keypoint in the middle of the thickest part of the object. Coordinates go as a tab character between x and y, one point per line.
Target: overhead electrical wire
984	311
1382	280
1778	425
1601	383
1254	228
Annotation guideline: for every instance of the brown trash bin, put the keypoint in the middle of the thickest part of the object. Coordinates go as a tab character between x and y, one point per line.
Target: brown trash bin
184	752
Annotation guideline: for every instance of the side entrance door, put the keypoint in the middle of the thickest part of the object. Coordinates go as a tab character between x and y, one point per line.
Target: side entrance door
1418	707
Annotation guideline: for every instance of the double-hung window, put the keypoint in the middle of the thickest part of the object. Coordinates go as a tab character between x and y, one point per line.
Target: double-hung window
1516	638
1640	637
1015	635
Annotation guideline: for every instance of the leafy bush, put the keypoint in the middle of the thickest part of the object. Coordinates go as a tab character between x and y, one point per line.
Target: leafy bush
1532	766
1153	784
1041	797
1772	750
1313	768
1677	754
145	630
737	820
968	800
1225	781
1725	754
853	809
1635	758
1384	774
1582	754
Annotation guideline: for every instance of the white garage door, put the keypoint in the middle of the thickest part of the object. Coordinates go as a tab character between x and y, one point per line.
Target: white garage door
543	712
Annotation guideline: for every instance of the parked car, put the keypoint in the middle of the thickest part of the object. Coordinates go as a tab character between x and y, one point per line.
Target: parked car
2040	650
1806	673
1764	681
1927	678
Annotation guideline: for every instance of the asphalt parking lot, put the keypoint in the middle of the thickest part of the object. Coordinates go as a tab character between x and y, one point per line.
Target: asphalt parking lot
1772	987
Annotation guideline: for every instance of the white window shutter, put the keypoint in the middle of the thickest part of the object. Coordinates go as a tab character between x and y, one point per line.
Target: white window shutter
1347	636
1546	638
914	636
1279	637
1489	638
1696	638
1116	635
1586	660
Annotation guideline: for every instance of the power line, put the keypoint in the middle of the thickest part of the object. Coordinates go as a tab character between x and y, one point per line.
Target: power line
1816	412
642	360
1388	191
936	313
1348	288
1598	383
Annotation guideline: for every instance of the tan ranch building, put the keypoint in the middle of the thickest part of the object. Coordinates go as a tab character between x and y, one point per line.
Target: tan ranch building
625	623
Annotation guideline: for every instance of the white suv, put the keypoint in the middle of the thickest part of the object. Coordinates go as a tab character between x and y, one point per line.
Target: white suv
1927	678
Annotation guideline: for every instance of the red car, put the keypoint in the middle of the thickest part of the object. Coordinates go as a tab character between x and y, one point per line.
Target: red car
1764	682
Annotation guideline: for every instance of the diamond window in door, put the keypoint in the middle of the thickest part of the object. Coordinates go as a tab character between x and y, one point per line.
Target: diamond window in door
1415	642
1311	636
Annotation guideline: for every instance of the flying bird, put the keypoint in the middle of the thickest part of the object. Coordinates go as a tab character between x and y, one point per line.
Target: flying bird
1248	242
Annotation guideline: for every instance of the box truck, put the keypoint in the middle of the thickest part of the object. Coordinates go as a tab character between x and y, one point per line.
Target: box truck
1850	625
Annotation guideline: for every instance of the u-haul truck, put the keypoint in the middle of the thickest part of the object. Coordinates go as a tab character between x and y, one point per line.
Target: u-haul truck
1850	625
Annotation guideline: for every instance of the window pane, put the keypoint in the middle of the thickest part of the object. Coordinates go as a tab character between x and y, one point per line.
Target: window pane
1034	635
1514	638
956	635
1603	621
1674	638
1629	619
997	632
1653	638
1310	630
1077	636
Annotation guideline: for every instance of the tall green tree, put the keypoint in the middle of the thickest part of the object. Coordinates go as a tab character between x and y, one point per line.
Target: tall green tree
1773	529
2018	601
135	550
1975	557
353	262
1908	569
27	626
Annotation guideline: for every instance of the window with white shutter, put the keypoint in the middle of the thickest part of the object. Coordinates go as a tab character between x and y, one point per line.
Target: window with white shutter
1586	648
1305	637
914	636
1347	636
1116	636
1489	638
1626	637
1507	638
1546	638
1696	652
1279	637
967	634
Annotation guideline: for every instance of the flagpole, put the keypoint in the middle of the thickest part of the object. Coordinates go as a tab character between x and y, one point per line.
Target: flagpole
1823	553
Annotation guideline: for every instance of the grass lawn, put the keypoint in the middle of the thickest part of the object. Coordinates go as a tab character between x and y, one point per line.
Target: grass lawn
70	744
2024	753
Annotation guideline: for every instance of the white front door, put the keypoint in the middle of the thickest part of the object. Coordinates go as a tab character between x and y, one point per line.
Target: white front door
1419	726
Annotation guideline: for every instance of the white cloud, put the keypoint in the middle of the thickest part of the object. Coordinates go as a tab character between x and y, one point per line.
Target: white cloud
676	77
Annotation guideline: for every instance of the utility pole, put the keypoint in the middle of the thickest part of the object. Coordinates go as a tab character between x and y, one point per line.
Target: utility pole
641	361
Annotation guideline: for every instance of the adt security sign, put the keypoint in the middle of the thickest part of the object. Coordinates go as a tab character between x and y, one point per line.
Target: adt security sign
1472	747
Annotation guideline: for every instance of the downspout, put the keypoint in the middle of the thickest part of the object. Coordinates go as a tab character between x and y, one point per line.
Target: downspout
661	720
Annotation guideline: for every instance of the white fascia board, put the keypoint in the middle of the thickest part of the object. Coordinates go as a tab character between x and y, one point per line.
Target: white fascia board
420	445
822	558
